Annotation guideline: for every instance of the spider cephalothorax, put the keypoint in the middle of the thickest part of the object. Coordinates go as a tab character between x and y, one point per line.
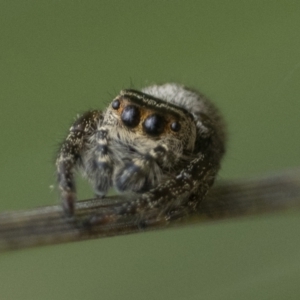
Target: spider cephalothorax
164	144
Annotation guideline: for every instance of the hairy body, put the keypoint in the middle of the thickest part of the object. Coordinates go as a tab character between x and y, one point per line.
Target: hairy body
164	144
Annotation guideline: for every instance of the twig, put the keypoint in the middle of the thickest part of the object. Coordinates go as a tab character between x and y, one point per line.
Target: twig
227	200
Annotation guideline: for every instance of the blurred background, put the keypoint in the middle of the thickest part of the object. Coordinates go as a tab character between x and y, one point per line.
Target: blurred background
60	58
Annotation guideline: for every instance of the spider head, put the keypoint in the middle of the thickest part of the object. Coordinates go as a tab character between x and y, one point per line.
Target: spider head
146	115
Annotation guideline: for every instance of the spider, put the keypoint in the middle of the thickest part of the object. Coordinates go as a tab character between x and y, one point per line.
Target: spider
162	146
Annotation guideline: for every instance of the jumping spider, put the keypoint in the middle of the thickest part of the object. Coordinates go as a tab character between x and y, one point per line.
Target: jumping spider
163	144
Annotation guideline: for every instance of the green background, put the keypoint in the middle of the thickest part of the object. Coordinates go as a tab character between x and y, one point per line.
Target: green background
59	58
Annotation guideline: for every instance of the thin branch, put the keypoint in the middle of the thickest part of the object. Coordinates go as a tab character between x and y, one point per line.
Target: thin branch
227	200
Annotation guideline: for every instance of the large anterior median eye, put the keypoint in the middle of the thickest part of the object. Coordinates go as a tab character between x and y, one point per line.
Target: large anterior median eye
154	124
131	116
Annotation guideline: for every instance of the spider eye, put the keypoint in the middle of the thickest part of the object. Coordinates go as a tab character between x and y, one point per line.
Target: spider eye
131	116
115	104
154	124
175	126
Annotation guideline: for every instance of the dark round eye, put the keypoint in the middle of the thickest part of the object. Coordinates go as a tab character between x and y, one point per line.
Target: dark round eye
154	124
131	116
175	126
115	104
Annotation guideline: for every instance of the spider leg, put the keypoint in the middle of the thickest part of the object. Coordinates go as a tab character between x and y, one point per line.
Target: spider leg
103	167
70	156
170	200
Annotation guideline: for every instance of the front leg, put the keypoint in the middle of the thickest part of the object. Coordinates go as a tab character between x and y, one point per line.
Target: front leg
173	199
70	156
100	168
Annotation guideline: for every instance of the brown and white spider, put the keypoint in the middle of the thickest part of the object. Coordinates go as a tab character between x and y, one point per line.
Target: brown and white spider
164	145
